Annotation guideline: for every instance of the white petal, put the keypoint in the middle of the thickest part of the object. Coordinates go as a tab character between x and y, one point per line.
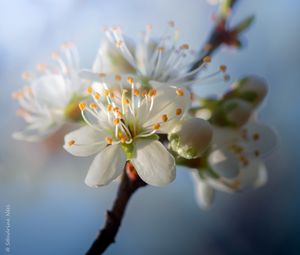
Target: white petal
224	163
224	136
204	193
165	102
154	164
106	166
262	176
88	141
259	138
52	90
254	175
35	133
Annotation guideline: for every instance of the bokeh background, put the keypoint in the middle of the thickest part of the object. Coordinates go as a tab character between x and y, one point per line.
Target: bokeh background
54	212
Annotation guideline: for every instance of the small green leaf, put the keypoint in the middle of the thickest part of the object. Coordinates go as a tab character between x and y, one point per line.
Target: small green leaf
245	24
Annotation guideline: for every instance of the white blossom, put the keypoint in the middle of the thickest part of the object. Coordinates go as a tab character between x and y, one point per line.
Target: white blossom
44	101
122	125
235	161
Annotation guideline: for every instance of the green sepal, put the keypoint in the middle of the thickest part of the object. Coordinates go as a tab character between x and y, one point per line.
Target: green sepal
128	150
245	24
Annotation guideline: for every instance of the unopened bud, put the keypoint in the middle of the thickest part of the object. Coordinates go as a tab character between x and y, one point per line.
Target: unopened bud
191	138
236	111
251	89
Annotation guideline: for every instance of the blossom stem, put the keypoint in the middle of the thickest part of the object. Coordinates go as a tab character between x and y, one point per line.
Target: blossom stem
128	186
215	40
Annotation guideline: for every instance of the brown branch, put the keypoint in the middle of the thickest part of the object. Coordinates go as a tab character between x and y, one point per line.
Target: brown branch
114	216
217	37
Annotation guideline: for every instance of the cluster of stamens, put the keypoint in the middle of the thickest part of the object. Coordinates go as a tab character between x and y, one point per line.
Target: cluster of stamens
120	107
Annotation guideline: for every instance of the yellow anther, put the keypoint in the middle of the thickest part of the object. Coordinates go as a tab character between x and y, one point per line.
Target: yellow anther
22	113
102	75
156	126
144	93
55	55
207	59
25	76
71	142
123	139
136	92
119	44
93	106
164	118
116	109
208	47
109	108
126	101
120	115
41	67
179	92
89	90
178	111
223	68
82	105
108	140
152	92
116	121
161	49
66	45
130	80
97	96
184	46
118	77
226	77
106	92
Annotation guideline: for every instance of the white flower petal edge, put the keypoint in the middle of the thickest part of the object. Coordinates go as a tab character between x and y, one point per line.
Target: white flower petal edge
106	166
204	193
88	142
154	164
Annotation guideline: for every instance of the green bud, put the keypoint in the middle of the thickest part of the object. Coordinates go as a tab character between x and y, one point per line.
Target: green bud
236	112
191	138
251	89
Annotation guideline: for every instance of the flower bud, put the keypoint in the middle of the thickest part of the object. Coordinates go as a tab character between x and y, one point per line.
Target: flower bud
191	138
251	89
236	111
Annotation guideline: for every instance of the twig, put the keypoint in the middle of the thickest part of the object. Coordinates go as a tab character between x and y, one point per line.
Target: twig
114	216
129	186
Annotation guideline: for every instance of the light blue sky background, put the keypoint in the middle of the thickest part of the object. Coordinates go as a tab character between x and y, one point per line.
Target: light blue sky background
53	212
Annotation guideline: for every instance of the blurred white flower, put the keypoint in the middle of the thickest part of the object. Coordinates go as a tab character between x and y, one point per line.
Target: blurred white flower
154	61
122	125
46	102
235	162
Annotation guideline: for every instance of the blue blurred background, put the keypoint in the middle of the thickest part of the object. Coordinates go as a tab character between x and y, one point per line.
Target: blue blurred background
54	212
